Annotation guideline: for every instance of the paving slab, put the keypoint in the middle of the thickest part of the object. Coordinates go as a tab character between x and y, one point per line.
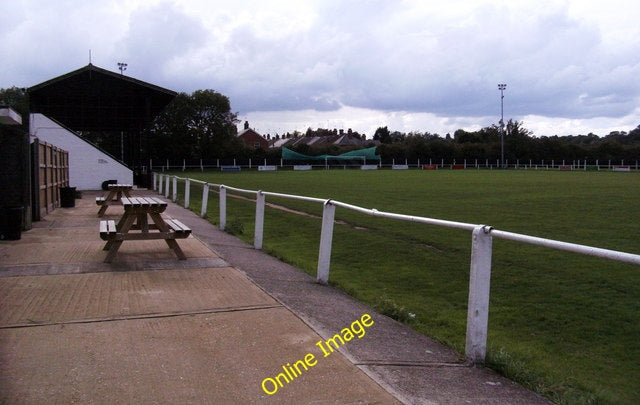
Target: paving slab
37	300
149	328
217	358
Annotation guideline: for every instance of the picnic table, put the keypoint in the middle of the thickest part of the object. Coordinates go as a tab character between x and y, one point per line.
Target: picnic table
137	211
113	196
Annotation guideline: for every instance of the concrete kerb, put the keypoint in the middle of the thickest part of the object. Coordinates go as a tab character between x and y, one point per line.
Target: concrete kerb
410	366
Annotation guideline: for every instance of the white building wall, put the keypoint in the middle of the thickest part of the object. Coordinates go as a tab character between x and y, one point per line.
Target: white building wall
88	166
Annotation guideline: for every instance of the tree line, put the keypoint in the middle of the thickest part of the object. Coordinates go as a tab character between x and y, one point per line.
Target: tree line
519	144
201	125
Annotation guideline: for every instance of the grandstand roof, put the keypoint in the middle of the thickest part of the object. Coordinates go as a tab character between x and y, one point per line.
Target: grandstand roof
95	99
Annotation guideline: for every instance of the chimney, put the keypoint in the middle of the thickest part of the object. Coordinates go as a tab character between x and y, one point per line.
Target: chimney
246	125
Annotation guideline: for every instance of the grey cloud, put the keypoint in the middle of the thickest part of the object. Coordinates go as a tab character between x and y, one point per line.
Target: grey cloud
549	55
378	55
157	35
294	72
383	57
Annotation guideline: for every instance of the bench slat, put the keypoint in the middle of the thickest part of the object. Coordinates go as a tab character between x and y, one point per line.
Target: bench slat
132	201
136	201
156	201
172	225
148	201
107	229
178	227
182	226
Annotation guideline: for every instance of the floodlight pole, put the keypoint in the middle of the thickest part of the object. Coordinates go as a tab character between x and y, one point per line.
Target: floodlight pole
502	87
122	66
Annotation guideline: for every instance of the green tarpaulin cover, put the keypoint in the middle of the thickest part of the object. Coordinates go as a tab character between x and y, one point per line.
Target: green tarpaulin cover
360	154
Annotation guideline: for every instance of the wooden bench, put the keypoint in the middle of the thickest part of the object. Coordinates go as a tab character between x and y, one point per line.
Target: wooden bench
107	229
113	196
137	211
180	229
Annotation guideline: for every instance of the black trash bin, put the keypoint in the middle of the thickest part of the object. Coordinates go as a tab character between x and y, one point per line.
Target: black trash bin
67	197
10	223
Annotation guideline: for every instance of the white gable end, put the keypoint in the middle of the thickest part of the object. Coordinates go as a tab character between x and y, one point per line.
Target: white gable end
88	165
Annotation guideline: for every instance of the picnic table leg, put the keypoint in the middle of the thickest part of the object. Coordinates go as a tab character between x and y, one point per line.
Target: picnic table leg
105	204
143	223
163	227
107	246
121	222
113	245
103	209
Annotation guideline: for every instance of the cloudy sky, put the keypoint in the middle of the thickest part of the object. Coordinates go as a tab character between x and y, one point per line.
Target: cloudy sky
570	66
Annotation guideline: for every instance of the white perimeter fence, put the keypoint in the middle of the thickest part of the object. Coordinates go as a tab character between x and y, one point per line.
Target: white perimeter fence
430	164
481	246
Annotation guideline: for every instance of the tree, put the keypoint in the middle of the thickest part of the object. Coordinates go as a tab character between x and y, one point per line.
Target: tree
518	142
462	136
634	134
383	135
17	99
200	125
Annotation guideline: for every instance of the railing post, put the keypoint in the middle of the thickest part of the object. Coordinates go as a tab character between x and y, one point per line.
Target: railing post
259	228
154	181
187	192
223	207
160	184
167	186
326	238
205	200
175	189
479	282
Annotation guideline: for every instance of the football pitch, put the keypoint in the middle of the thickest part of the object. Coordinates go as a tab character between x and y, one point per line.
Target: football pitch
563	324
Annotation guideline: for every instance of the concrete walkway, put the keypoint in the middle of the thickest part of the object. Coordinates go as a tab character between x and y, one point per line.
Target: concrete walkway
228	325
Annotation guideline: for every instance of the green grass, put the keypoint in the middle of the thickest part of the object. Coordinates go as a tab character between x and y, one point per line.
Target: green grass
563	324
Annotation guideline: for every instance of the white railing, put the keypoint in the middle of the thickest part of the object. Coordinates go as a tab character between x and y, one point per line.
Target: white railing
481	247
274	164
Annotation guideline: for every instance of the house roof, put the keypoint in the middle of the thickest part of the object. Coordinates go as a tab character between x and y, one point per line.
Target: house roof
249	130
95	99
340	140
279	142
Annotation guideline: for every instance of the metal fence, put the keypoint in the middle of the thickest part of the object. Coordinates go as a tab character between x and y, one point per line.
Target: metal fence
481	246
408	164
